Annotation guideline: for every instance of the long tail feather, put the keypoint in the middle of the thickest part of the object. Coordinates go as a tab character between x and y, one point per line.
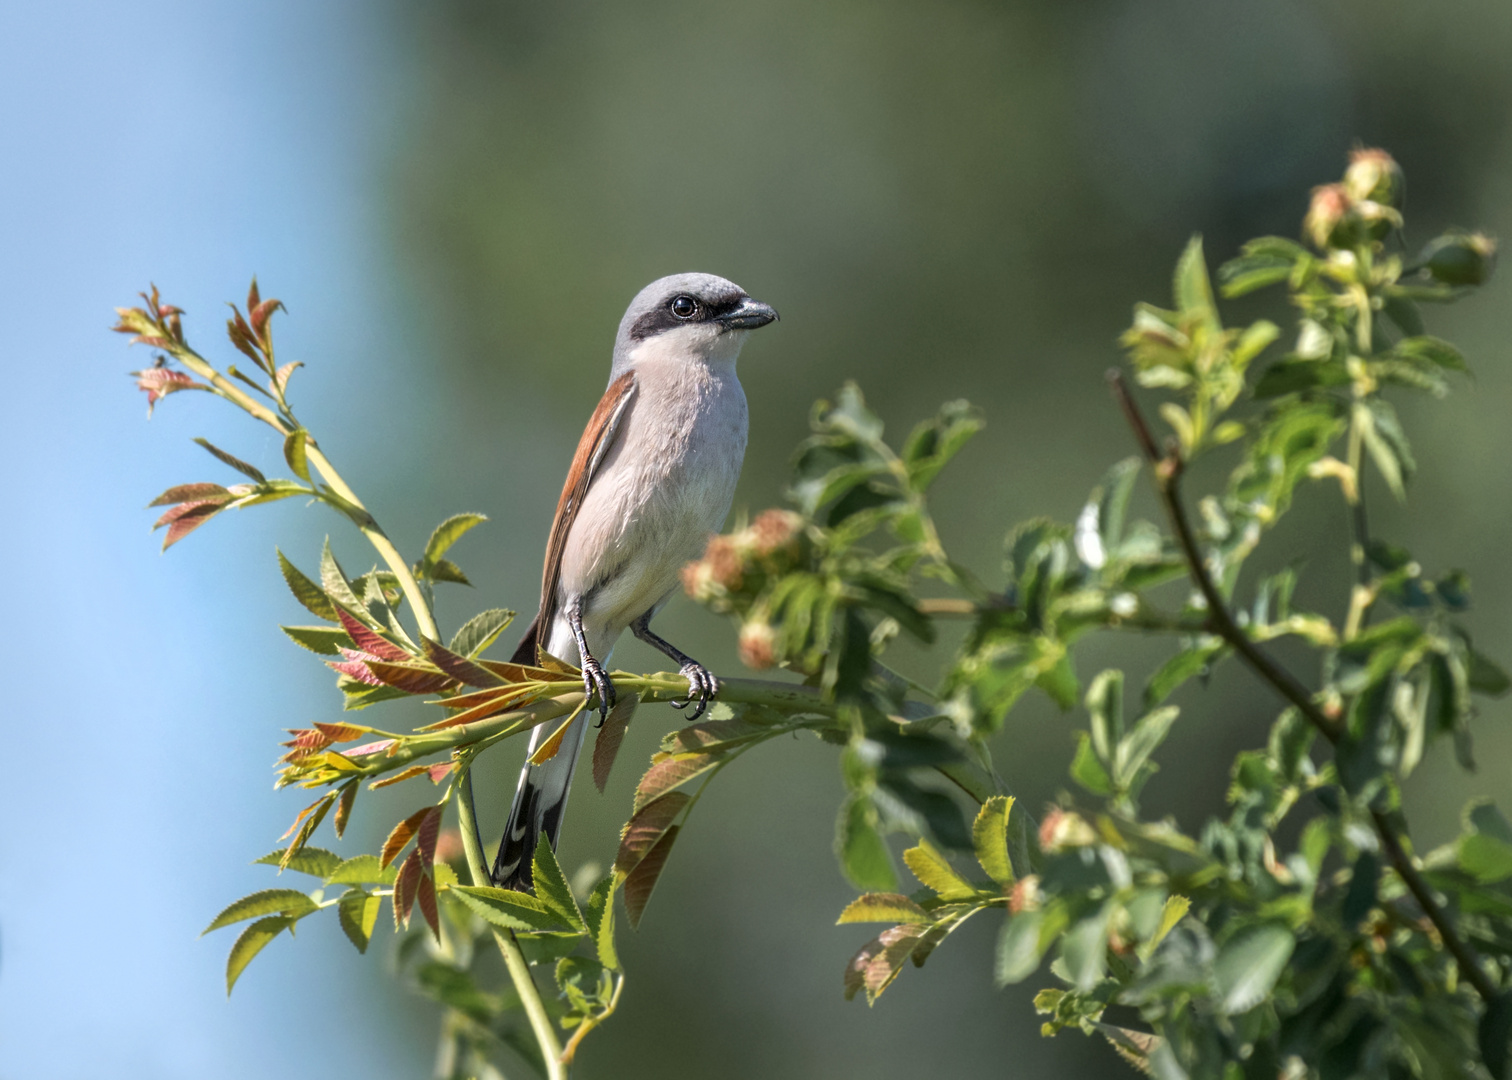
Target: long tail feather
539	803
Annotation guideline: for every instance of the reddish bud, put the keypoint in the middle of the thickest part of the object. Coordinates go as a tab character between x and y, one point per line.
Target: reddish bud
758	645
1327	216
1064	829
1025	895
1373	175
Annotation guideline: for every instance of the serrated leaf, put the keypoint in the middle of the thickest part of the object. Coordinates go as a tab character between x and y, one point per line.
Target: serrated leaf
552	887
317	862
338	587
344	803
1248	965
182	493
325	640
479	632
507	908
458	667
672	772
611	735
427	819
1173	912
934	870
358	914
294	453
646	828
235	462
641	881
362	870
448	533
288	902
406	887
311	595
250	943
989	838
883	907
600	920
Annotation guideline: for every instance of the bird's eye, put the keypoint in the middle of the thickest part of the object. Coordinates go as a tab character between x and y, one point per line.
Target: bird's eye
684	307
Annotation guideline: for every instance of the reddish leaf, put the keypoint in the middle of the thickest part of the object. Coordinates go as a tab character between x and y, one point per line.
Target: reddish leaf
242	337
855	969
427	898
257	315
190	493
524	673
411	678
669	773
897	944
459	667
187	523
284	372
341	732
311	823
642	880
344	806
645	829
405	831
399	777
378	747
369	641
611	735
425	835
196	506
440	772
548	749
251	471
701	736
406	885
356	669
159	382
254	295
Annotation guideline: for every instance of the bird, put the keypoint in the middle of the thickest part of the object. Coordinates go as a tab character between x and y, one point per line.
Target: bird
653	476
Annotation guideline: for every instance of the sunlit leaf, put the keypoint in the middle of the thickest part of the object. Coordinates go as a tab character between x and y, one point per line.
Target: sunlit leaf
508	909
551	886
426	820
600	921
883	907
989	838
448	533
250	943
670	773
317	862
294	453
362	870
934	870
648	826
479	632
358	914
641	881
311	595
289	902
235	462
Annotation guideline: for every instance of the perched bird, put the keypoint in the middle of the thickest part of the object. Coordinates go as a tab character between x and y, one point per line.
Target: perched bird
653	476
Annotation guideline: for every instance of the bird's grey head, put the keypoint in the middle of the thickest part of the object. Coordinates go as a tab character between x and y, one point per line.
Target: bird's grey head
687	316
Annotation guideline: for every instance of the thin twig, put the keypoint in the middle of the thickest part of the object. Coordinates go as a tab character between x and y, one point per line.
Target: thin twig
1167	469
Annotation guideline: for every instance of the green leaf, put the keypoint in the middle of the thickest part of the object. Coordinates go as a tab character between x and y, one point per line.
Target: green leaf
1087	770
1019	947
1486	677
551	886
1193	291
862	852
311	595
1248	965
446	570
883	907
1136	747
338	587
294	453
507	908
317	862
1172	913
325	640
479	632
1178	669
1387	444
1433	350
1105	708
236	463
600	919
989	838
362	870
1485	858
1084	948
358	912
934	870
251	942
288	902
448	533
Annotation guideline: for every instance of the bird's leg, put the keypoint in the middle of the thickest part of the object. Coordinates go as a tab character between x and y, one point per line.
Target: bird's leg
701	681
595	679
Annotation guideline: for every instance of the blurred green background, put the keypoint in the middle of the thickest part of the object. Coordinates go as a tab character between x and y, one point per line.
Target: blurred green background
456	201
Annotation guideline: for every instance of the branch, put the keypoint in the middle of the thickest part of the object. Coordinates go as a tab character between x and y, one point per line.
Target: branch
1168	469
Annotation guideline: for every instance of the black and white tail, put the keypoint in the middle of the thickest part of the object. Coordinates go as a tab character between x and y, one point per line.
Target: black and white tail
541	797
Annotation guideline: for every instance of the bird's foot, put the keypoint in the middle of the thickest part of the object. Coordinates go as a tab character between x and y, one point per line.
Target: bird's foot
597	681
702	687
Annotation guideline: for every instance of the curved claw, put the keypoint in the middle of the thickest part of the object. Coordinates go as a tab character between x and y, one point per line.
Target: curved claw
596	680
701	685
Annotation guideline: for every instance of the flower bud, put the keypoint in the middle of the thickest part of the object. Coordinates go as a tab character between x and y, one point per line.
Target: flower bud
1374	176
698	581
1460	258
758	645
1026	895
725	562
775	529
449	846
1063	829
1328	217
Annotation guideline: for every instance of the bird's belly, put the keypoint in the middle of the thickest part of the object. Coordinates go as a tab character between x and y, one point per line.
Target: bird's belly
650	511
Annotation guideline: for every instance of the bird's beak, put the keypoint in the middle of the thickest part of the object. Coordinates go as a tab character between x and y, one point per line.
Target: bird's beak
749	315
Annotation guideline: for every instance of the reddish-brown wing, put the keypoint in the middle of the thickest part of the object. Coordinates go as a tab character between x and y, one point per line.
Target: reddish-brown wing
592	448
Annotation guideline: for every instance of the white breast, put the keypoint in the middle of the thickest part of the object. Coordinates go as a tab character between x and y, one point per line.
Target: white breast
663	488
